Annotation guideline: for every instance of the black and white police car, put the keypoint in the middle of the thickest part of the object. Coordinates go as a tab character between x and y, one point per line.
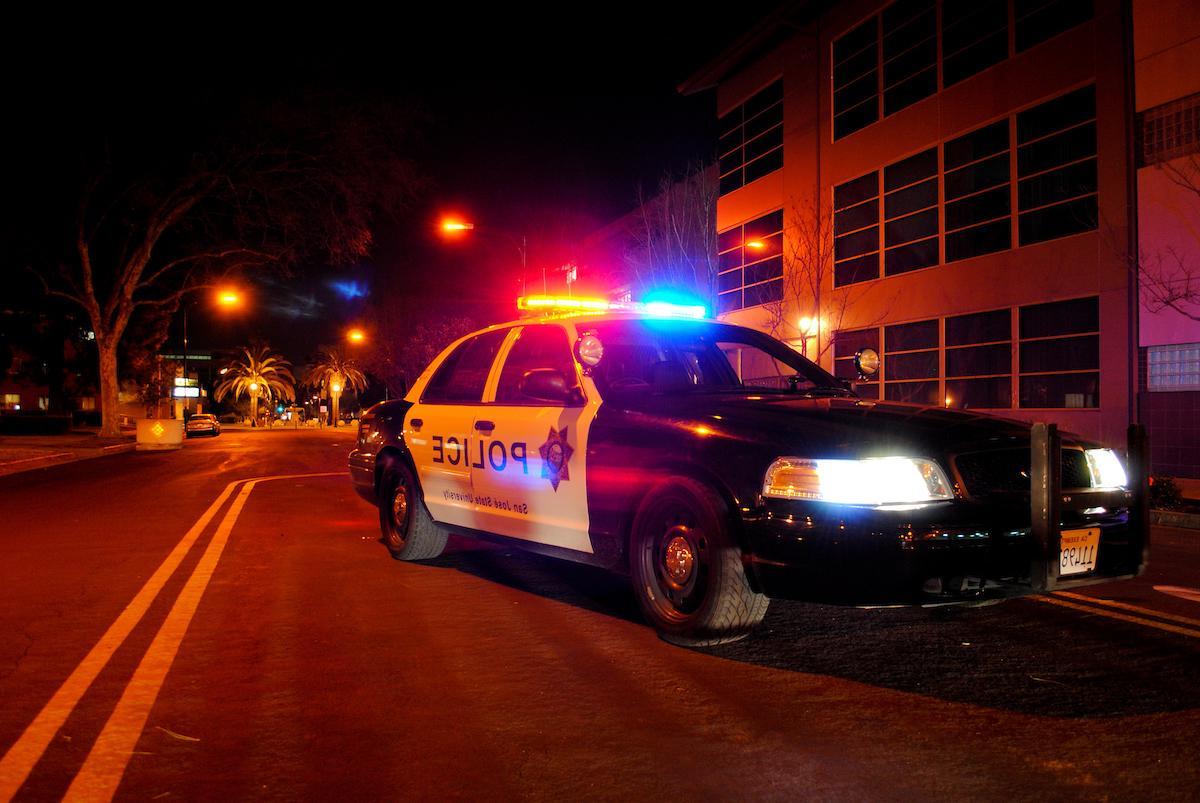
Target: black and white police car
719	469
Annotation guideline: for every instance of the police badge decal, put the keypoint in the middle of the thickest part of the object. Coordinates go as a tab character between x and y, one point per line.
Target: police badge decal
555	453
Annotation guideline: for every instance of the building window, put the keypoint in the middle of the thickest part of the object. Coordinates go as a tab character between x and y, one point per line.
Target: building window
856	79
979	360
12	401
1060	354
845	346
856	230
1056	167
1173	367
974	37
750	263
1169	131
910	211
978	192
909	53
43	402
910	362
1038	20
751	144
87	403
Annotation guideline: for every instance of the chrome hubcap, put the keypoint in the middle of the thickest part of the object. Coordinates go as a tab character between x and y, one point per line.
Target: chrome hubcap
400	506
679	560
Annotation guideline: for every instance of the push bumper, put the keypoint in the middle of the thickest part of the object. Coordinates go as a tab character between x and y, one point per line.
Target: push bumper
362	474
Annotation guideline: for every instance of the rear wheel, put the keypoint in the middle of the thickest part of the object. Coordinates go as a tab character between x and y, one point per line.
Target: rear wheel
687	570
407	529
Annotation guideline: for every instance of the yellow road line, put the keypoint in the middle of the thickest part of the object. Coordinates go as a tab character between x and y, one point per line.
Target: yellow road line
105	765
20	759
1124	617
1125	606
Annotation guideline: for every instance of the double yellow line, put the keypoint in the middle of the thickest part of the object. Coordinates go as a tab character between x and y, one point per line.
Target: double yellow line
106	762
1124	612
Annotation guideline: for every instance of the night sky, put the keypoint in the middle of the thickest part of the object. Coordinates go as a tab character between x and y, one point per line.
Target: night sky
544	123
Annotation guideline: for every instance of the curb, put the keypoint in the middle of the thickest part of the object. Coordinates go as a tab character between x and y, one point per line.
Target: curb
1171	518
60	458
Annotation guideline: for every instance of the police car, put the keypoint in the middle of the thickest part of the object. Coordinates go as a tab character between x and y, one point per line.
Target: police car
719	468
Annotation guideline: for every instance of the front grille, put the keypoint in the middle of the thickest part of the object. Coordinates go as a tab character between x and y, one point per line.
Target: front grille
1006	471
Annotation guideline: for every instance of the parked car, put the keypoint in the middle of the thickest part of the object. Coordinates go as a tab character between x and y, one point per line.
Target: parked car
203	424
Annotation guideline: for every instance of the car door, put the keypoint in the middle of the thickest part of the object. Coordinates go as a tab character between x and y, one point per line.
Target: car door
438	428
530	478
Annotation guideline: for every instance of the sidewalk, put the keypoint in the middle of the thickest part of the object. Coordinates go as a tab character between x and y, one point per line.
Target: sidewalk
28	452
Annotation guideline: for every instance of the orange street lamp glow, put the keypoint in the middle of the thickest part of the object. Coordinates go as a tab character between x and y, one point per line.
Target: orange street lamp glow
254	387
806	324
335	387
356	335
228	298
757	245
451	226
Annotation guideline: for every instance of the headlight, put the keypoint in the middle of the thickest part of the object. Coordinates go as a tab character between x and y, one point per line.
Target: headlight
874	481
1107	471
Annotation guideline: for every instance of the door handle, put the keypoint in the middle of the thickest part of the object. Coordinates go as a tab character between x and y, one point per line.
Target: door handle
416	423
485	426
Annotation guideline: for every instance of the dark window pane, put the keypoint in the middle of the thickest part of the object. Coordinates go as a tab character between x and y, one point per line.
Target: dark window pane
979	176
765	226
856	270
538	347
914	227
730	162
1069	146
985	239
731	182
855	67
844	369
849	343
979	327
730	259
460	379
1060	354
905	23
1058	221
730	122
908	64
764	293
767	164
764	99
868	388
912	392
975	59
764	122
1055	115
1061	390
978	208
730	141
730	280
910	170
856	217
1061	318
1057	185
727	302
967	22
852	120
856	191
911	199
1038	20
979	394
917	365
910	257
976	145
979	360
906	94
757	147
729	239
852	245
761	271
758	249
911	336
861	37
856	92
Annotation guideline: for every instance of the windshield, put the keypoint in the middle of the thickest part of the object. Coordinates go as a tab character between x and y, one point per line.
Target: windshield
678	356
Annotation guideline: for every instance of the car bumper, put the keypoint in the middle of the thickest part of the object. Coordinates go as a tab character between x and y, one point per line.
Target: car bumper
362	474
959	551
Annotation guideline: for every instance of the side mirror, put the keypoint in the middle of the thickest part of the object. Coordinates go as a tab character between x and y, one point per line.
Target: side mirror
549	385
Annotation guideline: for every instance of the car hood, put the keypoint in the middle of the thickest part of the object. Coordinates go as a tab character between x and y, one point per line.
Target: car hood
832	427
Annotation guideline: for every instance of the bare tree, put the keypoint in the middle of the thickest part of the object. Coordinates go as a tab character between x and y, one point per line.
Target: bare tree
675	242
812	308
1169	276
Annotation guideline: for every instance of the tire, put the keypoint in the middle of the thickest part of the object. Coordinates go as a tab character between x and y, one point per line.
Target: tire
407	530
687	569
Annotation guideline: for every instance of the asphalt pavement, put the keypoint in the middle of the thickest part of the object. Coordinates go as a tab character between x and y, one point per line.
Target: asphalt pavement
167	632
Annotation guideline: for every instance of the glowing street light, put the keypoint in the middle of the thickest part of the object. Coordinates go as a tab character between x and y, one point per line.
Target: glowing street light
335	387
453	225
356	335
756	245
229	298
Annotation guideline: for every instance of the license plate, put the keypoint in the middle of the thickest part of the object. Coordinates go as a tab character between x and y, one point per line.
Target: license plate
1077	553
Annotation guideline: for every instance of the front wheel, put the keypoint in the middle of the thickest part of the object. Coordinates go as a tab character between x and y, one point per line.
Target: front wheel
407	529
687	570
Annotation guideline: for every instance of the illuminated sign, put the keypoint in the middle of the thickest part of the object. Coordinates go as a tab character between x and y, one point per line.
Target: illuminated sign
190	357
185	393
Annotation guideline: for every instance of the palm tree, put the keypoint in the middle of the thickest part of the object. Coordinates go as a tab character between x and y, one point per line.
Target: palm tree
338	372
259	373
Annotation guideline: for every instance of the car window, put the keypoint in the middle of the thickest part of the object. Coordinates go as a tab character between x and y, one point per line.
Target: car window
464	373
538	347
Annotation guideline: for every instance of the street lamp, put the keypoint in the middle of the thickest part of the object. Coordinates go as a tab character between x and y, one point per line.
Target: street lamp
454	227
356	335
226	297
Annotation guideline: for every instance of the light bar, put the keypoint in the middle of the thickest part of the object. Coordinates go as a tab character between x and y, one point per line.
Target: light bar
554	304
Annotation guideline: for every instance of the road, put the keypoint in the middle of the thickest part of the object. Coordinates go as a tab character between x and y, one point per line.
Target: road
277	652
